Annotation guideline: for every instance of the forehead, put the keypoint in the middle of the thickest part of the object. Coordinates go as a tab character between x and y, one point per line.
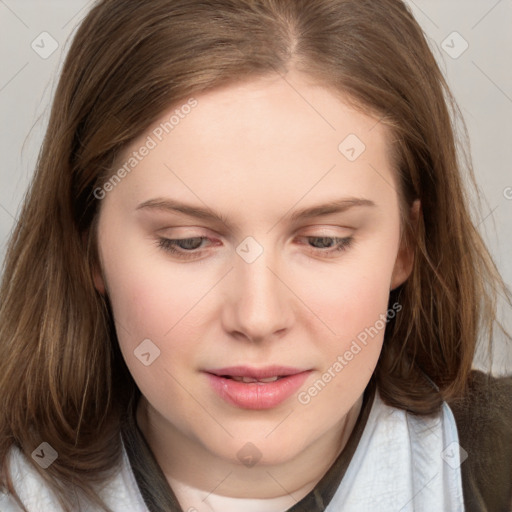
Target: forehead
259	141
283	110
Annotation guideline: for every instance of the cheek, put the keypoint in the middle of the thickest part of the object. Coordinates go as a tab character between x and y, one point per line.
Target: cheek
150	302
352	303
148	294
359	324
352	298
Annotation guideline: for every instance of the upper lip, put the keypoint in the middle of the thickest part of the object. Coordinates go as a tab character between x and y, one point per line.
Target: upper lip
256	373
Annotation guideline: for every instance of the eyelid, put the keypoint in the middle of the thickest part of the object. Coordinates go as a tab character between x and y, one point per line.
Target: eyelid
191	231
207	232
328	229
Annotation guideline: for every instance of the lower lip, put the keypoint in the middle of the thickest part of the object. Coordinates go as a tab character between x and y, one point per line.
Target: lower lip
254	395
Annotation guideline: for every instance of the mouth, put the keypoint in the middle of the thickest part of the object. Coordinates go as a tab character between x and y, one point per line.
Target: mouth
256	388
248	380
249	374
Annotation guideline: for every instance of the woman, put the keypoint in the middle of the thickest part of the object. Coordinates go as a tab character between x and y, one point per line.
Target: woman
245	276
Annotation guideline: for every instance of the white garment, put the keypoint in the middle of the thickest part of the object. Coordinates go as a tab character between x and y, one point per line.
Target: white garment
121	494
398	466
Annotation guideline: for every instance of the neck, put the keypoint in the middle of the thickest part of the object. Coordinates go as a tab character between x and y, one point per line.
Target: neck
197	475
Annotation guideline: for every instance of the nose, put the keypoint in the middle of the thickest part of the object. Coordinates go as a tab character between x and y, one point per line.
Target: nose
258	306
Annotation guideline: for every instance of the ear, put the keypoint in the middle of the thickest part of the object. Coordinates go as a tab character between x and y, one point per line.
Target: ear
405	257
99	282
97	276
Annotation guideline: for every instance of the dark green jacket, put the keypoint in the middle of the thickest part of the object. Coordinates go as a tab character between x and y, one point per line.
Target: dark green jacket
484	424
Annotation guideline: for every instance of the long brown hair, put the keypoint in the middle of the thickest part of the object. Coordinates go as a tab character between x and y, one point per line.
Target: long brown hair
62	377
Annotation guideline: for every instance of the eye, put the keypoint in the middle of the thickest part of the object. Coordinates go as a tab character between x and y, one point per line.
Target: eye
332	244
181	246
190	247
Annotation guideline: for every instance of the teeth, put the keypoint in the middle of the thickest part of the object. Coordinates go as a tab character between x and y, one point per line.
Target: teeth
244	379
248	380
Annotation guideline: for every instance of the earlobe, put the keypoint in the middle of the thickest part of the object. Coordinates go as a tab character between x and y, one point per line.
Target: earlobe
99	282
405	257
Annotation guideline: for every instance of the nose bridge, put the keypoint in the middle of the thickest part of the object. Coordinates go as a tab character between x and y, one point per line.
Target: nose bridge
253	269
258	294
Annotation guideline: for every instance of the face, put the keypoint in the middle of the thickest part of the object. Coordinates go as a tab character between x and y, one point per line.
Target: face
276	284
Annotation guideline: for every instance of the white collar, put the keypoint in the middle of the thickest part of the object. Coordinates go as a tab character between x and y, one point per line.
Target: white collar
403	463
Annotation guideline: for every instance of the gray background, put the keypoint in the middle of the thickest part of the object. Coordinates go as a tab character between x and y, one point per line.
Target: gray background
480	78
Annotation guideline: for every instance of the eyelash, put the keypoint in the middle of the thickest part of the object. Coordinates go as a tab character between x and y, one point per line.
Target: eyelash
169	245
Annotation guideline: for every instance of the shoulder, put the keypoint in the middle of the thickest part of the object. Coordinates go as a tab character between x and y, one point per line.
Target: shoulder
29	486
7	503
486	410
484	424
119	492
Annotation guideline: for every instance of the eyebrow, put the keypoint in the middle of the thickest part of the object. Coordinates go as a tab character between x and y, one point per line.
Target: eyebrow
205	213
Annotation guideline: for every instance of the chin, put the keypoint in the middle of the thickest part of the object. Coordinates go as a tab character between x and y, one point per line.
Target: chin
250	450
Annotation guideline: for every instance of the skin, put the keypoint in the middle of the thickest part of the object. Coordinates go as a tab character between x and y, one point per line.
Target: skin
255	152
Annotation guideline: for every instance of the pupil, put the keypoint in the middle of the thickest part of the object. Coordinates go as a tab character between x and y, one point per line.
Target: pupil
188	243
325	241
